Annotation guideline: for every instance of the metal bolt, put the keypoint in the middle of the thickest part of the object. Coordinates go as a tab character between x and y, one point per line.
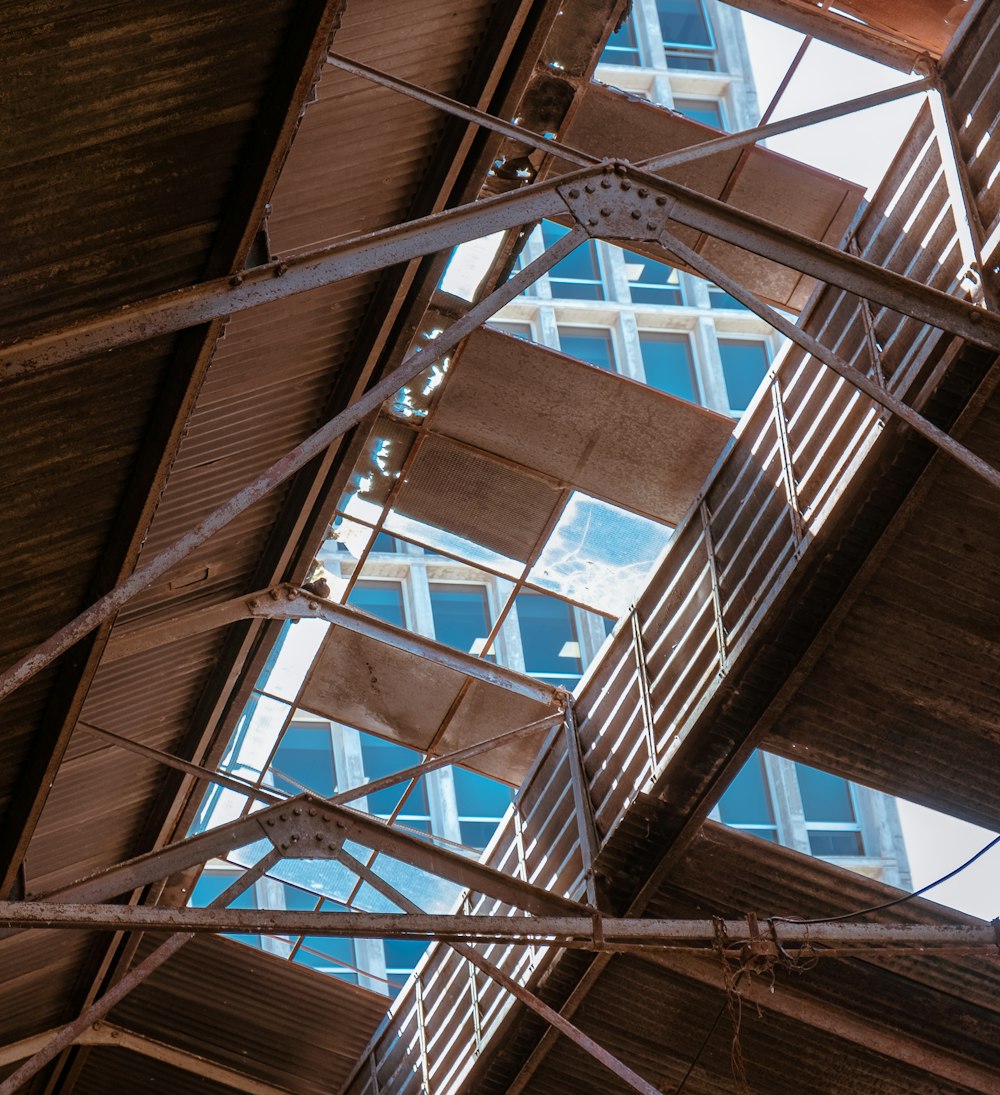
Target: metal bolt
975	316
661	200
270	821
312	811
574	193
341	824
642	192
605	212
626	185
284	845
294	838
608	168
236	280
635	214
592	221
284	817
605	184
651	226
332	847
254	604
620	169
313	605
280	269
297	811
589	188
326	817
320	837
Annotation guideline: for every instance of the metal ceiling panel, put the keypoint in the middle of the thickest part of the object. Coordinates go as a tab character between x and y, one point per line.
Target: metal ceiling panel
596	431
611	124
393	693
457	489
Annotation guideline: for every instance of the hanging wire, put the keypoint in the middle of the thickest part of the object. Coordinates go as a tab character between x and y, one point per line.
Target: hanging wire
896	901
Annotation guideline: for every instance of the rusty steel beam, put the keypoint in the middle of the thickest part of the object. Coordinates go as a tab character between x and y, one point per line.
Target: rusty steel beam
833	940
854	36
311	827
295	273
284	468
863	383
100	1007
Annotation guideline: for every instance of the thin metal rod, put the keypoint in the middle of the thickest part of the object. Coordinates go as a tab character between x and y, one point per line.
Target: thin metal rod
135	976
784	125
286	467
853	376
460	110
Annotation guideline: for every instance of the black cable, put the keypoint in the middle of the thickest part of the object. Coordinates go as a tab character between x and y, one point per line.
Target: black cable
896	901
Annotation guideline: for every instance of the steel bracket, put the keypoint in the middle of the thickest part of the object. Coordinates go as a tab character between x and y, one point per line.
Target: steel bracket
613	206
305	832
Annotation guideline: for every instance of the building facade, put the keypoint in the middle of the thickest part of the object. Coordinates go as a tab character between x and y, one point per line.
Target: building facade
621	312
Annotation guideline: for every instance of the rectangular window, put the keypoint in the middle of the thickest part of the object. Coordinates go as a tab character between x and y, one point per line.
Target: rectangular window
549	639
687	34
304	758
482	802
744	365
651	282
706	111
719	298
831	820
622	47
578	276
382	599
517	329
211	884
401	958
591	344
382	758
461	616
746	802
668	364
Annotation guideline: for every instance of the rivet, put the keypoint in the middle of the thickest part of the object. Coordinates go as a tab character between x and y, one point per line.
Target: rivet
320	837
651	226
605	184
574	193
341	825
270	821
297	811
332	847
636	214
605	212
608	168
313	605
975	316
284	845
254	604
312	811
642	192
280	269
592	221
326	817
284	817
626	185
236	280
294	838
589	188
661	200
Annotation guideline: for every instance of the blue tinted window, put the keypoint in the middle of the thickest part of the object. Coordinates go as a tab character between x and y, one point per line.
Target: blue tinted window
329	954
667	362
383	758
306	755
548	638
744	364
746	802
622	47
705	111
482	802
824	797
684	23
590	344
382	599
651	282
577	276
461	616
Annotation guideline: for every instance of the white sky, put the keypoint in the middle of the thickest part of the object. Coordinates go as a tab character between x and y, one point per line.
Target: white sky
860	147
